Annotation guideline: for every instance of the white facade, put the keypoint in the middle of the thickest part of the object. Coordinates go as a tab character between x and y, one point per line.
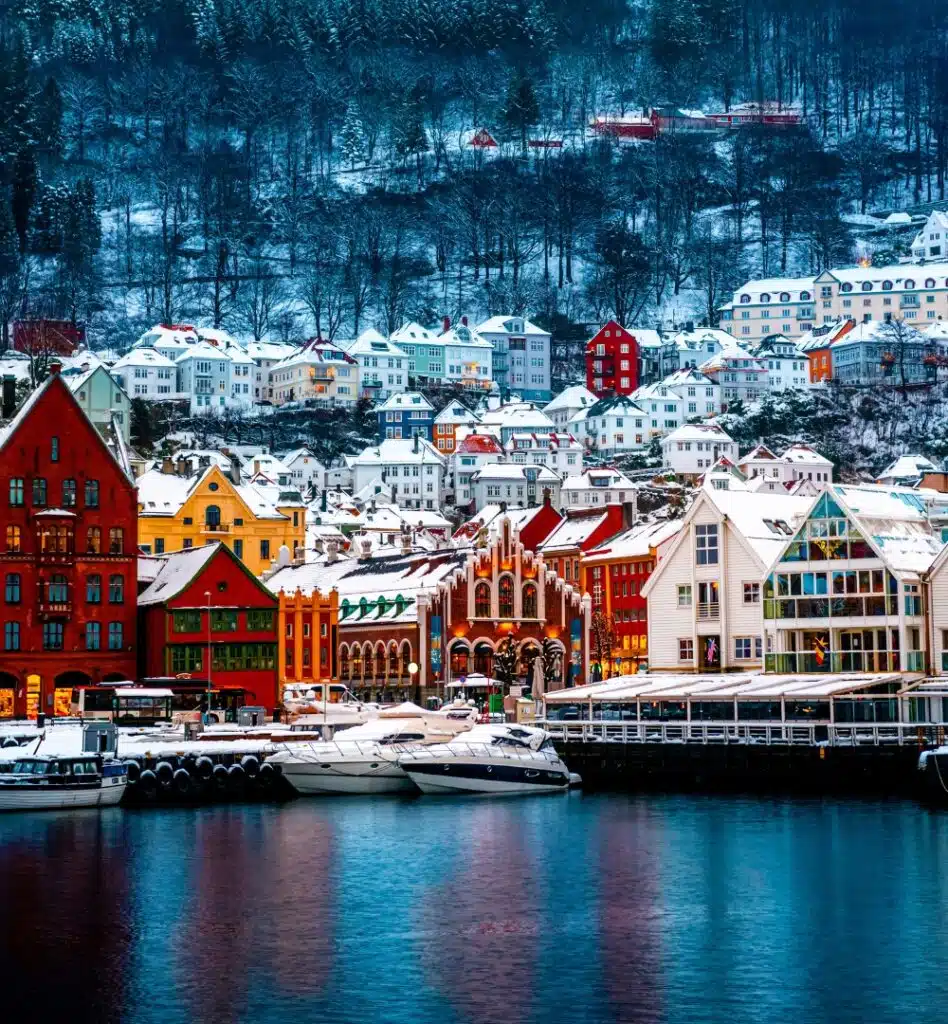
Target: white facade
514	484
569	402
265	355
472	454
561	452
468	358
614	424
413	468
521	356
170	341
594	487
741	376
697	346
204	376
931	243
383	366
306	471
146	373
700	395
662	406
694	448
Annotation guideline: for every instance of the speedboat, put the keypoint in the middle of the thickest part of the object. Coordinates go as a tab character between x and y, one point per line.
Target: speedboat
363	759
39	783
501	759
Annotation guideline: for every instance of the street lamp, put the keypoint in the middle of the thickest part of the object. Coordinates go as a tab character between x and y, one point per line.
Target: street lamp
207	710
412	672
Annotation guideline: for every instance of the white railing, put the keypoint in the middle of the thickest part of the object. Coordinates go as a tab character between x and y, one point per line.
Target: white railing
766	733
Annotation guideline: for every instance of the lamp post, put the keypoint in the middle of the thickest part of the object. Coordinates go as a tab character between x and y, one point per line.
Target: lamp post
412	672
207	710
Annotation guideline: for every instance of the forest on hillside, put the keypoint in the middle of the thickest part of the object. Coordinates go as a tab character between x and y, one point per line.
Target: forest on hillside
284	168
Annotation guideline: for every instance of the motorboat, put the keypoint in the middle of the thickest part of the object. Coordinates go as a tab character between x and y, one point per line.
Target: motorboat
36	782
502	759
363	759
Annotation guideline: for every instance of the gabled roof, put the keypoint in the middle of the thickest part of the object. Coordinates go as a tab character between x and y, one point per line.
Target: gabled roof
576	397
614	405
758	454
585	480
399	450
456	412
143	357
697	432
479	444
175	572
406	401
803	454
908	467
411	333
500	325
636	542
573	531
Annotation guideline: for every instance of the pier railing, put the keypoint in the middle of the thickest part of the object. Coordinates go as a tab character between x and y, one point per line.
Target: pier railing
766	733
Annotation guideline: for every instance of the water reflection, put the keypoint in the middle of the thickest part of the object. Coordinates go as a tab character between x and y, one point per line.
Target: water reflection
586	909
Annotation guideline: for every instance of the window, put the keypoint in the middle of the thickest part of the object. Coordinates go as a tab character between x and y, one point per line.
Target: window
94	540
12	588
265	549
529	609
16	491
239	548
115	636
11	636
506	597
260	619
482	600
93	636
52	636
686	649
54	449
751	593
13	539
69	493
116	540
684	596
92	494
913	599
93	589
706	544
39	492
116	589
186	621
223	620
742	648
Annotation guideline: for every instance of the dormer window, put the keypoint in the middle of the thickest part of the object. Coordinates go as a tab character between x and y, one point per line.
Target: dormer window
765	296
887	286
745	298
846	287
804	296
909	284
784	296
867	286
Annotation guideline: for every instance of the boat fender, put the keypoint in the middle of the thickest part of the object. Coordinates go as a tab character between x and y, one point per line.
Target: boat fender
204	767
220	775
164	772
267	775
133	770
148	783
182	782
250	765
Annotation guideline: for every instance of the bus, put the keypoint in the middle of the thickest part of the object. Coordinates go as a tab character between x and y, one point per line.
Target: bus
155	700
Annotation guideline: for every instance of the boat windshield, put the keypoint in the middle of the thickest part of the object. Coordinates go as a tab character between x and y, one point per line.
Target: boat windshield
547	744
31	768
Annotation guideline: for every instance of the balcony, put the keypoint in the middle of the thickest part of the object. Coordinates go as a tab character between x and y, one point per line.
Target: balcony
909	302
840	661
711	610
215	528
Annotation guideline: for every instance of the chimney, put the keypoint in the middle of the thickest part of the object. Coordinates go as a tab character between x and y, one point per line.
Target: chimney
55	368
446	324
318	546
283	556
464	320
167	466
406	541
181	467
256	466
204	461
8	404
332	551
365	548
629	513
547	503
414	446
503	506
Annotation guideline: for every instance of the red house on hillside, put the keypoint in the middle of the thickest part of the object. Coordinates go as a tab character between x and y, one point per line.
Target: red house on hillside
612	361
47	337
68	549
187	586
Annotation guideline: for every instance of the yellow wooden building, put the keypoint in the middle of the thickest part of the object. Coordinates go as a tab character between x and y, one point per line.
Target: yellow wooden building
184	504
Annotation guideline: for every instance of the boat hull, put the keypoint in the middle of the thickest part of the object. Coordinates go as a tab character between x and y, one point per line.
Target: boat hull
55	798
352	779
479	778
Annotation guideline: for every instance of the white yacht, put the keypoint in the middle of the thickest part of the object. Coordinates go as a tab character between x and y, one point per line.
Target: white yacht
500	759
364	759
50	782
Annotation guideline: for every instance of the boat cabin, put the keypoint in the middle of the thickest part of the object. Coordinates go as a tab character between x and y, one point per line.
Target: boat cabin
59	771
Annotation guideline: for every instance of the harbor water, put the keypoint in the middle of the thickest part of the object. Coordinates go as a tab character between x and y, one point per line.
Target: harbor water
586	908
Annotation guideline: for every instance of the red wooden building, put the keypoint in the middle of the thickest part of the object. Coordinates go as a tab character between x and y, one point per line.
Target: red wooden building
68	549
612	361
47	337
174	632
501	590
626	126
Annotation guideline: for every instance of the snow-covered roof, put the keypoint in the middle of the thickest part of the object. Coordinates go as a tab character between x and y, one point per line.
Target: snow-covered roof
456	412
411	333
576	397
689	377
400	450
505	324
907	467
698	339
403	401
755	515
143	357
371	343
725	359
572	531
761	453
636	542
522	415
697	432
163	494
202	350
176	571
314	352
180	336
614	405
479	444
597	479
464	336
773	286
803	454
490	516
514	471
903	276
269	350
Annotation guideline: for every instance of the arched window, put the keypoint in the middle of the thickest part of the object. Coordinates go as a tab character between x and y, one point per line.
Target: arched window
380	659
846	287
506	597
909	284
393	659
368	665
212	517
887	286
116	540
57	589
529	601
12	588
405	657
482	600
804	296
14	540
929	282
355	668
745	298
784	296
867	286
94	540
765	296
344	661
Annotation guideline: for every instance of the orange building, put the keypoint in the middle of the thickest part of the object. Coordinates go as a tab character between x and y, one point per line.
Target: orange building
446	423
817	346
306	636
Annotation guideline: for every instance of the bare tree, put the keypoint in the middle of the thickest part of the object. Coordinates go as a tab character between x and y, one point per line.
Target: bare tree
261	294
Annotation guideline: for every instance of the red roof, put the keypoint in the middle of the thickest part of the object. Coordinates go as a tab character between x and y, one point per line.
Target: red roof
479	444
